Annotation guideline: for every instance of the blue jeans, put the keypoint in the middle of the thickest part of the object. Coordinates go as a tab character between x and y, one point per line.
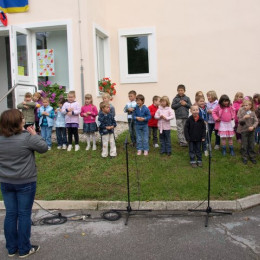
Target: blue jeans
131	127
195	151
18	200
61	136
142	137
46	134
165	141
257	135
211	128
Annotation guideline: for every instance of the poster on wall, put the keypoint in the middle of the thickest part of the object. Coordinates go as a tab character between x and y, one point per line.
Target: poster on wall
45	62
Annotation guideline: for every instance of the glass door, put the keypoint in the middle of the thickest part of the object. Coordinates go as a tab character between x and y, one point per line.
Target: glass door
21	61
20	44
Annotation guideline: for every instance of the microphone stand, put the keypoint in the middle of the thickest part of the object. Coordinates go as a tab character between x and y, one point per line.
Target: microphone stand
209	210
129	211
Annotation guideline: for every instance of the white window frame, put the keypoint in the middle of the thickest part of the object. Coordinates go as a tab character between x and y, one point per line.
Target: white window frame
97	30
152	55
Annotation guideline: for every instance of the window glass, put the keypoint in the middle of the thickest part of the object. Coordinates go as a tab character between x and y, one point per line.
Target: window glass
100	57
137	55
56	43
22	54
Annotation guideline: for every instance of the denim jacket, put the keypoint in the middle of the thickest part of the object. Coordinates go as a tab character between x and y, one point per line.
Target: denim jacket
142	112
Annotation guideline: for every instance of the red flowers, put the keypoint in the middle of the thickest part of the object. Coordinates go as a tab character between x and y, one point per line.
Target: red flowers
105	86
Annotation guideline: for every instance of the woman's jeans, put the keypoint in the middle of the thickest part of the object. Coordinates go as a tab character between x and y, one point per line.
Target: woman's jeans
18	200
142	137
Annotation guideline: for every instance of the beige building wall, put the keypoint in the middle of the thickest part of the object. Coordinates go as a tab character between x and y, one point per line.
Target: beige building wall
202	44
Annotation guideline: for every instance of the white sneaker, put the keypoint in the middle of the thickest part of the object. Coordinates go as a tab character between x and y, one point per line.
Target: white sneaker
76	147
49	148
88	147
206	153
156	145
64	147
216	147
69	148
94	148
59	147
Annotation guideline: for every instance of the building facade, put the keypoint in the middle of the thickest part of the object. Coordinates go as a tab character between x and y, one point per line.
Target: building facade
146	46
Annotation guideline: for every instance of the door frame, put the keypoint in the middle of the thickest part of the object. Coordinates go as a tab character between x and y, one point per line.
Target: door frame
33	28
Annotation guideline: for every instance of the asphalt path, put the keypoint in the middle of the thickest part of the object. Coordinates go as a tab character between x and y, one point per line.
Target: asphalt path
155	235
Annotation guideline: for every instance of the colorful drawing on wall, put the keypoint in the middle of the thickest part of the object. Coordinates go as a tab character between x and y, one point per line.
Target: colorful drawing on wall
45	62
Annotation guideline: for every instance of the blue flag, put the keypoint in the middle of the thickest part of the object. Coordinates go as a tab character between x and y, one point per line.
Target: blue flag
14	6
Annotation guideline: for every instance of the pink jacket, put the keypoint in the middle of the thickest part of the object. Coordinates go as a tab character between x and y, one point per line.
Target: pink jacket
236	105
76	111
225	114
164	124
90	118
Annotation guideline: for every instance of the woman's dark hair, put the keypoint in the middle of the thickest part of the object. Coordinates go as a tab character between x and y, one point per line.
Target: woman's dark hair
11	122
222	99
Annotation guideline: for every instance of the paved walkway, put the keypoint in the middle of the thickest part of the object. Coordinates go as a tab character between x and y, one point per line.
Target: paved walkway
158	235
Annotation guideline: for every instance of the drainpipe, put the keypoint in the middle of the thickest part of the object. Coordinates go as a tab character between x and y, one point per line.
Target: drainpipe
81	59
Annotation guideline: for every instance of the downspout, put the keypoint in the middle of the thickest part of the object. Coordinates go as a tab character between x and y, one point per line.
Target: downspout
81	59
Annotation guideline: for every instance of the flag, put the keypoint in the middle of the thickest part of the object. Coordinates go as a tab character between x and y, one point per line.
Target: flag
14	6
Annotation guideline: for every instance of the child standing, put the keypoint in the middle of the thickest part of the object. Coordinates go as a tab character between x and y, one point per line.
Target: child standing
106	129
27	107
223	115
89	113
256	99
237	103
46	115
212	103
247	123
195	134
61	133
203	113
181	104
106	98
164	114
37	98
71	109
129	109
152	123
257	112
141	116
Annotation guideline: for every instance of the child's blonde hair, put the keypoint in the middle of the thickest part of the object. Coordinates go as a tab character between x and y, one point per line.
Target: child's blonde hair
37	94
89	96
166	99
199	94
106	95
237	95
245	101
212	94
72	93
198	98
46	99
103	105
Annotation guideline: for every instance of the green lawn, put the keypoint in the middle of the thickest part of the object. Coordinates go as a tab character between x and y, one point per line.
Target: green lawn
84	175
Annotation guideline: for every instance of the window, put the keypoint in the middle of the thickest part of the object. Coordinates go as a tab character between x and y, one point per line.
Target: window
102	57
137	52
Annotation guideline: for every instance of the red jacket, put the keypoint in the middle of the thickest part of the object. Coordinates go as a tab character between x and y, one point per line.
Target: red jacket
153	122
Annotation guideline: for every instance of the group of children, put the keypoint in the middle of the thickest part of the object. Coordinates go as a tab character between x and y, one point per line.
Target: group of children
37	110
221	116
